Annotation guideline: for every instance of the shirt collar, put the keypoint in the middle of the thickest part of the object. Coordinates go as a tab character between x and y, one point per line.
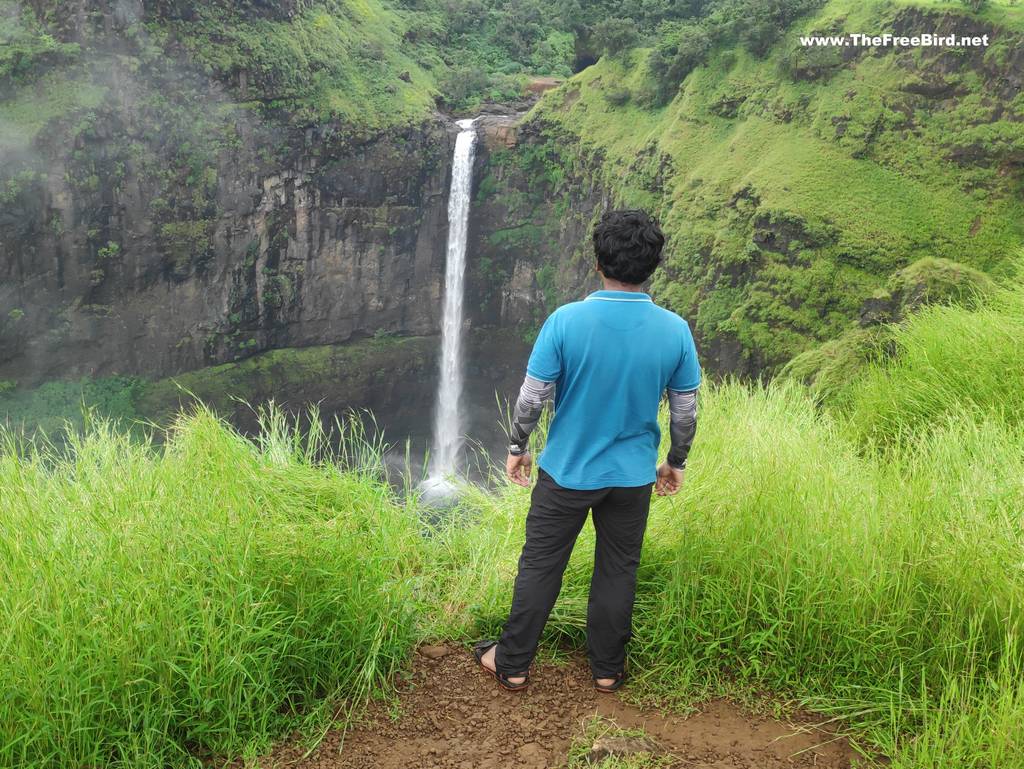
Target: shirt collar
620	296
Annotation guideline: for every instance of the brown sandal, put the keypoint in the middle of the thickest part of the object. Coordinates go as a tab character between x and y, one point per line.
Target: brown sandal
612	687
482	647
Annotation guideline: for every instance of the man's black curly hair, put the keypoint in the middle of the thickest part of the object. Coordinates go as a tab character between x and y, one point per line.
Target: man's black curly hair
628	245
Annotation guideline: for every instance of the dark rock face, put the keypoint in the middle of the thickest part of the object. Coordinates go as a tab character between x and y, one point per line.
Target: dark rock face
529	235
393	378
1003	76
325	244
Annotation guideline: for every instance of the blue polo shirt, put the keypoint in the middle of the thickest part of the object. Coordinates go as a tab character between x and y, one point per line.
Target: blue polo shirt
611	357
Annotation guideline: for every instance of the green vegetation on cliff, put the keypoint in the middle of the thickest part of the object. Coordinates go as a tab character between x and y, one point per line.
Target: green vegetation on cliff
830	367
354	369
346	60
793	182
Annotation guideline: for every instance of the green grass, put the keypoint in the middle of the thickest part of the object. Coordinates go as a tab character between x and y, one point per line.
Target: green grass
164	606
950	363
886	592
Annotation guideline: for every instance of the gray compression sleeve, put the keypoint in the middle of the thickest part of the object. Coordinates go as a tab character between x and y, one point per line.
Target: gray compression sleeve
682	407
528	409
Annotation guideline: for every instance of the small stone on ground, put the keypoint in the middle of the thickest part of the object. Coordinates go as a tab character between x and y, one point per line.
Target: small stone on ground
434	652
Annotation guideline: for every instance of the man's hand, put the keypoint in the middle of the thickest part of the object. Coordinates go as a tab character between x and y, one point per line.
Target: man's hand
669	480
517	468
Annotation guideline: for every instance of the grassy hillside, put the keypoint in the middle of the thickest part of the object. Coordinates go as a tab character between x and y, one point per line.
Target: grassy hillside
930	376
201	599
345	60
793	184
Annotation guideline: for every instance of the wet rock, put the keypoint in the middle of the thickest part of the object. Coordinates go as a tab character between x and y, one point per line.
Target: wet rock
326	243
524	235
935	88
541	84
786	233
500	131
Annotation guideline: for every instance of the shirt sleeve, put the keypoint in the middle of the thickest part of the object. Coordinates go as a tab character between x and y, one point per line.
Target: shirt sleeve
528	409
546	359
682	408
687	374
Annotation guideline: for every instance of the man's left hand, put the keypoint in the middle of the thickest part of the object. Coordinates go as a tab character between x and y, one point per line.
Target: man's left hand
517	468
669	480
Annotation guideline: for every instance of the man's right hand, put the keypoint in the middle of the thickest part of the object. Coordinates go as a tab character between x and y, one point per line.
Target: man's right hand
669	480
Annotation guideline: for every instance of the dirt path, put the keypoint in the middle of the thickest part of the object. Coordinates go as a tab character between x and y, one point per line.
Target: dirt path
453	716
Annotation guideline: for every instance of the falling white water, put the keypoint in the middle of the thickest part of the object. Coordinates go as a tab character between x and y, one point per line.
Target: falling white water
448	436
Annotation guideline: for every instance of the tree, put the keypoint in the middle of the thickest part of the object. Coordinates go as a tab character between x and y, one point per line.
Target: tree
681	49
613	36
520	26
463	84
465	15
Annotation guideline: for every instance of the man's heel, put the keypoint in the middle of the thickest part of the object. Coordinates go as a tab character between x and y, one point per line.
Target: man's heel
619	678
480	648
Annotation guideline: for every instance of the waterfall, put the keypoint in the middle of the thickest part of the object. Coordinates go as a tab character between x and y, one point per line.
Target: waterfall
448	435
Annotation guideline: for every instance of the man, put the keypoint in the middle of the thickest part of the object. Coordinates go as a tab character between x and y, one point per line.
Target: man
607	360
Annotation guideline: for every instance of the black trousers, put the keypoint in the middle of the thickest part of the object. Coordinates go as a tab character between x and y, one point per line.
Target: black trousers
556	516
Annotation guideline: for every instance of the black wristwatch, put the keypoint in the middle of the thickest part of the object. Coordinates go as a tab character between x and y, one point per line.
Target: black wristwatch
516	450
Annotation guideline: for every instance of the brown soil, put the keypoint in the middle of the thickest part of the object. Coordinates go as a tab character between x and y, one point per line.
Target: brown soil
452	715
539	85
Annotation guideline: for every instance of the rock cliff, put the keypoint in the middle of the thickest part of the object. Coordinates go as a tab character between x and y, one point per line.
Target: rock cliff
331	243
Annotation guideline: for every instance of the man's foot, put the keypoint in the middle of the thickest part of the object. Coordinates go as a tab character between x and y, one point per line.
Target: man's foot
609	685
487	660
